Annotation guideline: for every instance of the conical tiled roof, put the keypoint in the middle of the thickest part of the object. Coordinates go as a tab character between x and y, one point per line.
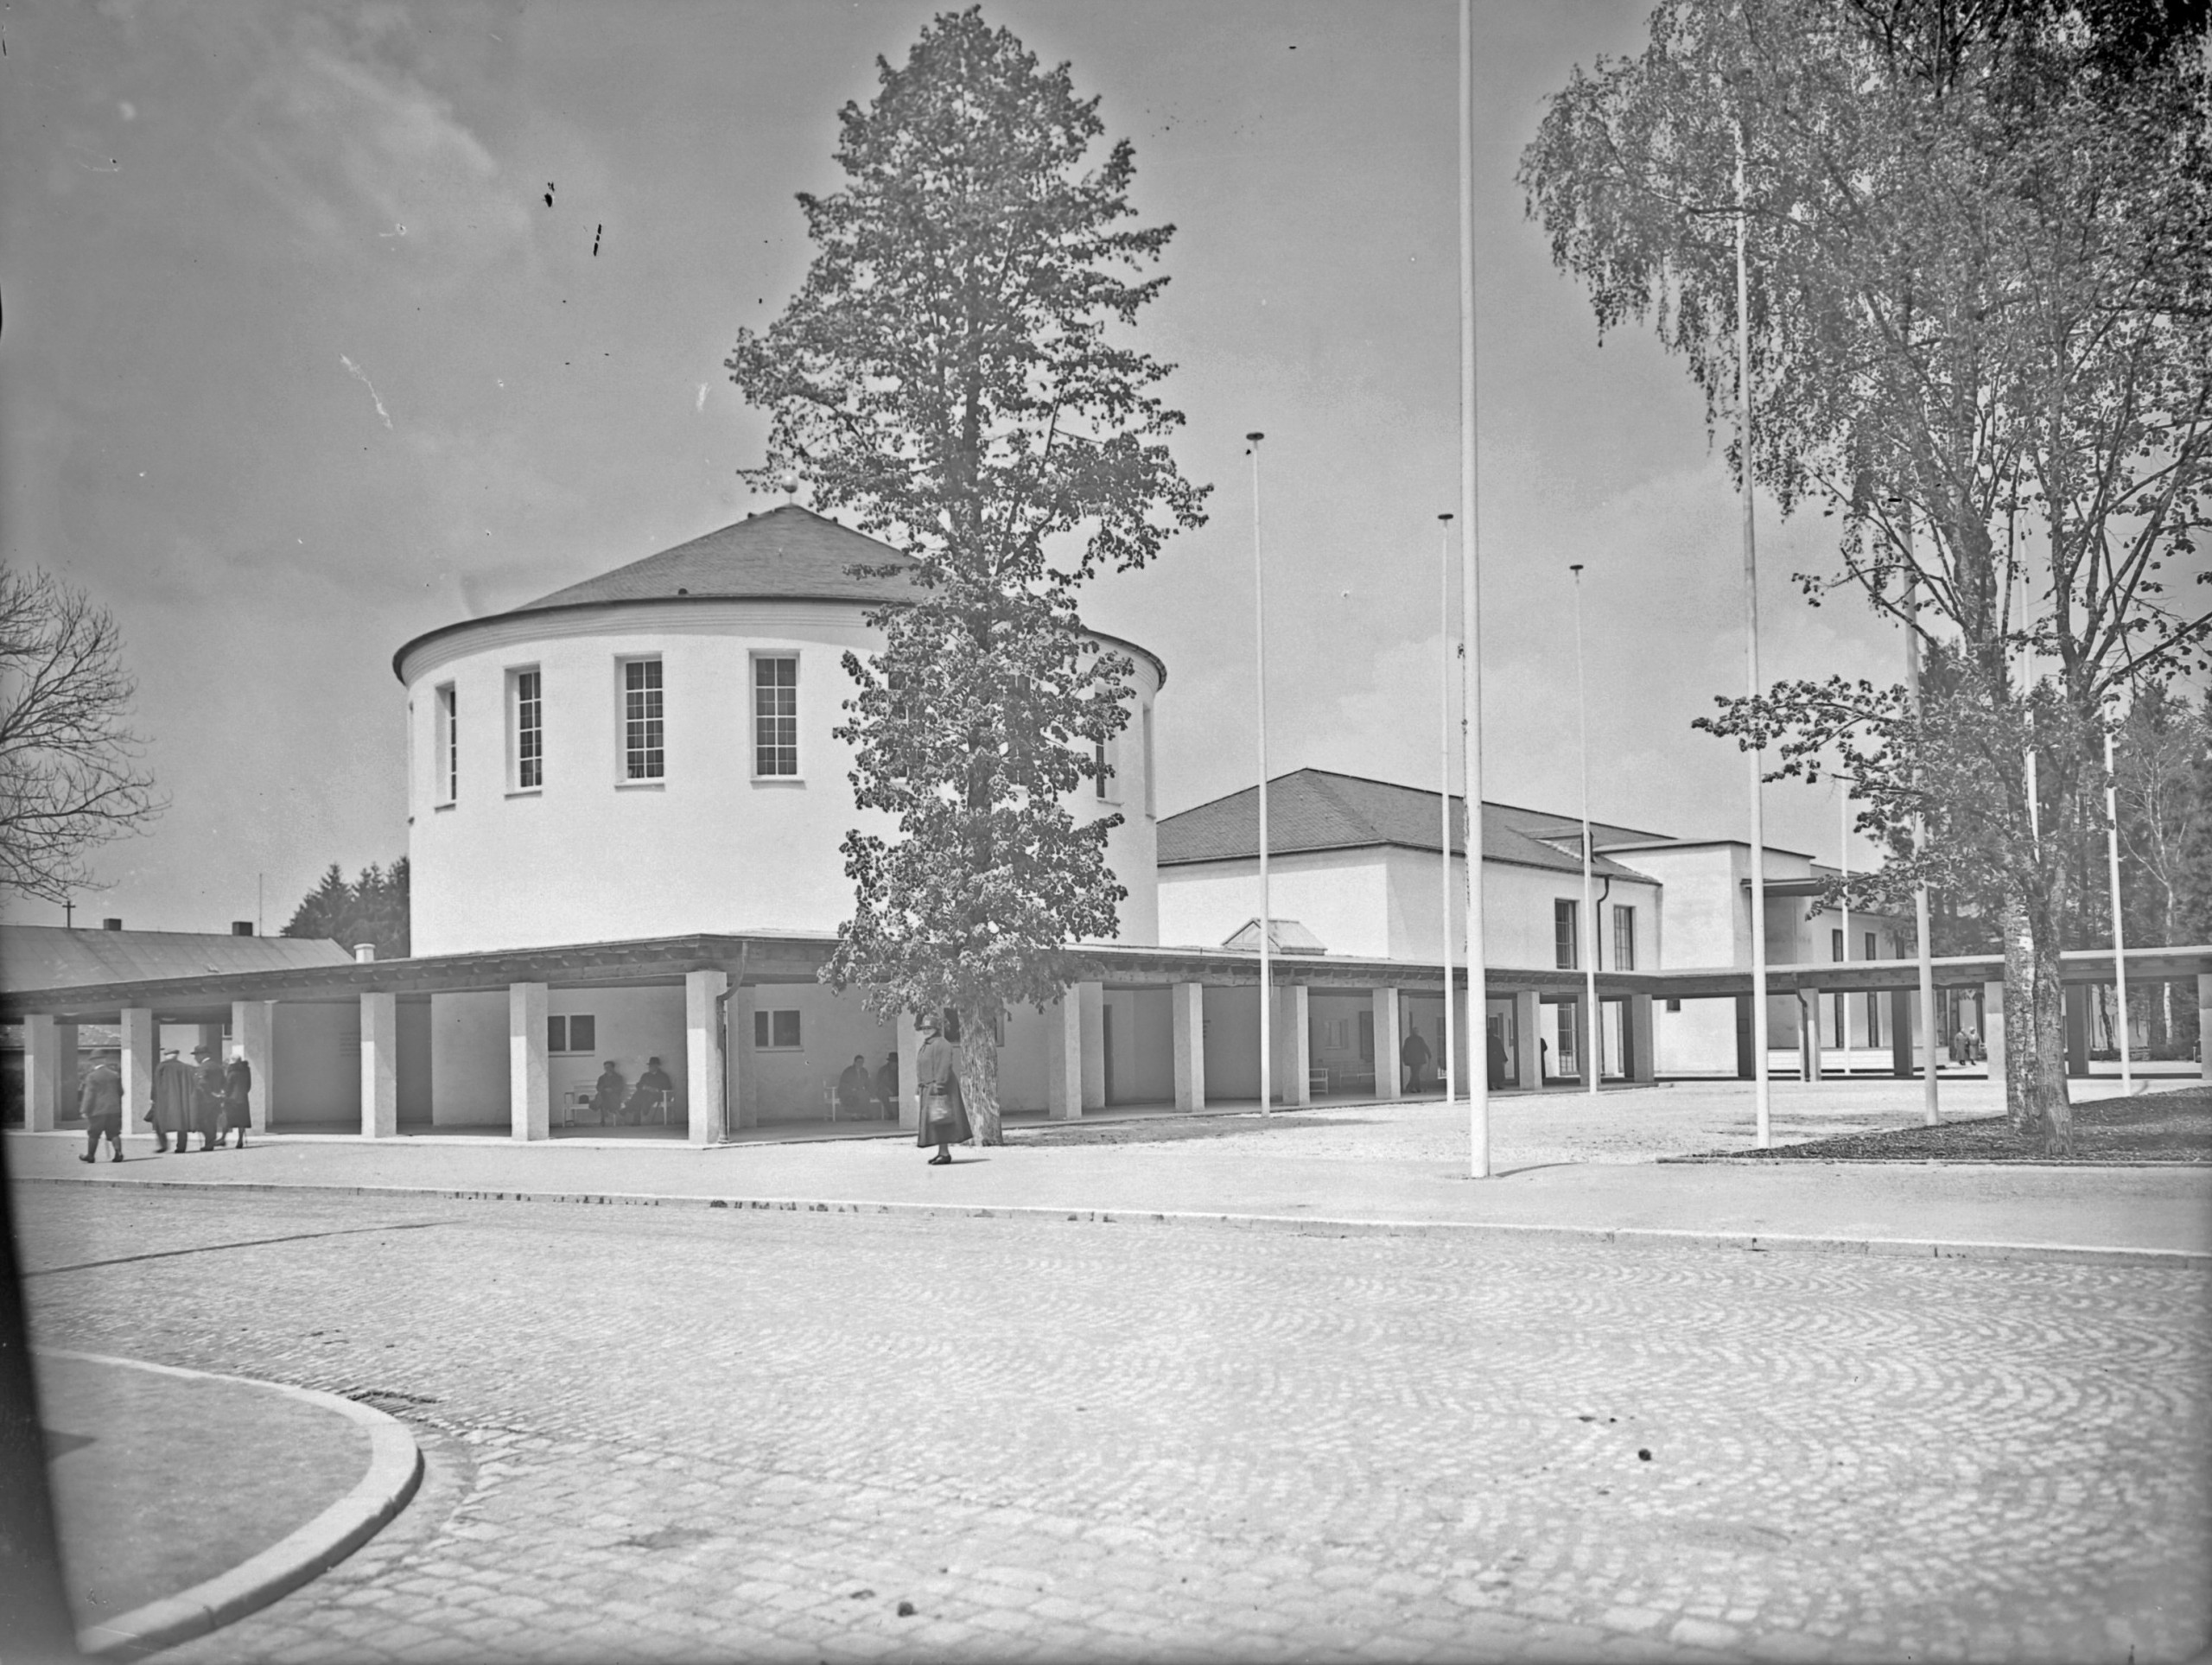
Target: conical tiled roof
786	554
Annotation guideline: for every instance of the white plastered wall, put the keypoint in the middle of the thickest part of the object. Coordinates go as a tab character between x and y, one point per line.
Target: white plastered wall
588	856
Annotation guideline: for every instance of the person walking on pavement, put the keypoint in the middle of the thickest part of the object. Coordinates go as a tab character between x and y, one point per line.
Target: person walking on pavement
171	1110
944	1112
1414	1056
207	1096
100	1102
237	1101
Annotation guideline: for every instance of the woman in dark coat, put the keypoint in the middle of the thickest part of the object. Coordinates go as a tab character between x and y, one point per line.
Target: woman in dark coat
237	1101
937	1076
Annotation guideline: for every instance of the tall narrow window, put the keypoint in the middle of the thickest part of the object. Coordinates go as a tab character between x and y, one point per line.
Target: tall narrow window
775	716
642	720
1873	948
530	731
1099	757
1566	934
1835	945
1149	809
449	749
1624	938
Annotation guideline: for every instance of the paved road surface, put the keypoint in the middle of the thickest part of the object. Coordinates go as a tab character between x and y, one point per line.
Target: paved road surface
709	1434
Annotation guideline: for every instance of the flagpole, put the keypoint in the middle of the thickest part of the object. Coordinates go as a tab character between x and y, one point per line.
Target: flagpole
2118	930
1444	811
1931	1112
1471	635
1763	1107
1592	1059
1259	663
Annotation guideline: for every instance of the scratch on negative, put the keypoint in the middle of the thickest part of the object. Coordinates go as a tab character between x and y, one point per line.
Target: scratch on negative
361	376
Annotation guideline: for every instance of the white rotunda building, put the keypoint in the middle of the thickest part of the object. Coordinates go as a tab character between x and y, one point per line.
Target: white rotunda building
649	753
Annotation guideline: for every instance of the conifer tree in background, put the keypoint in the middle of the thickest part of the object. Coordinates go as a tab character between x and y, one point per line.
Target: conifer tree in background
371	909
1981	250
956	373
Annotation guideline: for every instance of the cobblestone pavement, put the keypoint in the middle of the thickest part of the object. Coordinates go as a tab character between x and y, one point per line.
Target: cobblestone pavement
707	1434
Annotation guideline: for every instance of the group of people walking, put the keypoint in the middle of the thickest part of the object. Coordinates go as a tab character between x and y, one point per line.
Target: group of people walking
208	1097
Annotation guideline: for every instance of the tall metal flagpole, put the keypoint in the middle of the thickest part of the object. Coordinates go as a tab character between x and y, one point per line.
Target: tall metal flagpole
1843	867
1592	1060
1761	1097
1444	810
2118	930
1471	635
1260	661
1929	1112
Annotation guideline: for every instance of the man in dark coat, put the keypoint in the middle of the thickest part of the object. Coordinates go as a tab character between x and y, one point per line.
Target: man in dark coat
1496	1060
606	1095
653	1088
207	1096
100	1102
1414	1056
937	1076
237	1101
171	1110
853	1089
886	1084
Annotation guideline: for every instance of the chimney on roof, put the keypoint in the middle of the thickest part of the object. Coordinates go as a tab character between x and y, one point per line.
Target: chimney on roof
241	927
111	924
364	952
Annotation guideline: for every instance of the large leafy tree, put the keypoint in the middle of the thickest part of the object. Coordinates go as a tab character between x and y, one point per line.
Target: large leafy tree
957	373
1980	319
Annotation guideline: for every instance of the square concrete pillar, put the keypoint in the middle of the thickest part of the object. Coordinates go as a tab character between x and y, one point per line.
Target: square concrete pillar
909	1048
702	1054
1809	1032
379	1065
1091	996
2203	1026
253	1027
529	1099
141	1042
1186	1007
742	1108
1298	1044
41	1073
1642	1045
1064	1057
1386	1043
1992	1028
1529	1056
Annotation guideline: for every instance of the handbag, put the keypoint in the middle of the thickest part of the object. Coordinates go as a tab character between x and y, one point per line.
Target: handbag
938	1105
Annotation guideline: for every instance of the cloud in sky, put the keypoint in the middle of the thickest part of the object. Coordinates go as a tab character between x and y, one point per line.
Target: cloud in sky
364	160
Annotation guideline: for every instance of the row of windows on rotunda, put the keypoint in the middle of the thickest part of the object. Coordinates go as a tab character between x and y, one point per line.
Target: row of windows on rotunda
641	745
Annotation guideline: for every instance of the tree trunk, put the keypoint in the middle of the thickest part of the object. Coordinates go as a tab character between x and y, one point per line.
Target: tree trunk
2034	1033
979	1076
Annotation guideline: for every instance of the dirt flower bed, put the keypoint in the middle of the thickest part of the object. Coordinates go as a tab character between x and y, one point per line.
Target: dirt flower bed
2157	1127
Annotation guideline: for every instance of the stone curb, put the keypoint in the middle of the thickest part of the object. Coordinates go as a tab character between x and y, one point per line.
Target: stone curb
1627	1236
395	1468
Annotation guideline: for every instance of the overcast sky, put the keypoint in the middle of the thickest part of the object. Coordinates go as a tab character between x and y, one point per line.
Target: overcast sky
298	363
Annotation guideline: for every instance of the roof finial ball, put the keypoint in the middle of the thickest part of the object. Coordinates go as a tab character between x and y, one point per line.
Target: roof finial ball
789	481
